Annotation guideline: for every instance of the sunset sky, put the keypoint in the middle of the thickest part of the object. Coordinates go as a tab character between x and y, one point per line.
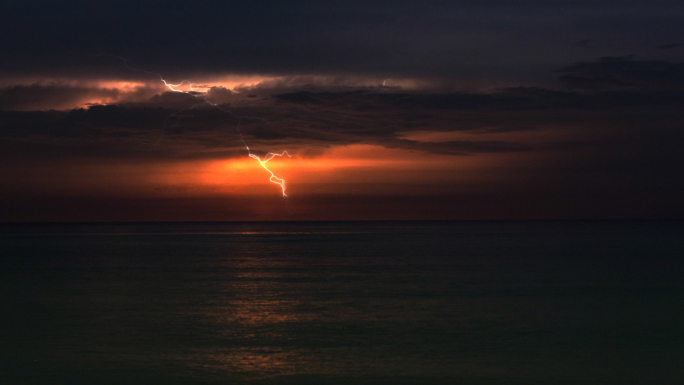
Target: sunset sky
389	110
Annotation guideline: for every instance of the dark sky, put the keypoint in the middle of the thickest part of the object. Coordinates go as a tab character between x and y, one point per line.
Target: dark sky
437	39
390	110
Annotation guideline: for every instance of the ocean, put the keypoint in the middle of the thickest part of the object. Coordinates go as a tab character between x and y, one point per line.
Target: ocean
342	303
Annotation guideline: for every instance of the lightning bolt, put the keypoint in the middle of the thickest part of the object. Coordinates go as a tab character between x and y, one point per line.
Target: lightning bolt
273	178
174	87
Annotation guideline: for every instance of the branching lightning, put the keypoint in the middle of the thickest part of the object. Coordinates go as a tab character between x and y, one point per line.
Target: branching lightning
197	95
273	178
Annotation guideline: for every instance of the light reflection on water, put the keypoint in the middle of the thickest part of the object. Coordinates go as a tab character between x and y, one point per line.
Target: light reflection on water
342	303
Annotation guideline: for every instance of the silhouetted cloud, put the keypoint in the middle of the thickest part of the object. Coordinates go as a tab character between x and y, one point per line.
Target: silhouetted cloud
39	96
55	95
627	93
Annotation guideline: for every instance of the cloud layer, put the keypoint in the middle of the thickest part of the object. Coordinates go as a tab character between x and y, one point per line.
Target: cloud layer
610	130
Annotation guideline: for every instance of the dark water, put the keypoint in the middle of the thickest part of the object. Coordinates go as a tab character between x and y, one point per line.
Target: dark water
343	303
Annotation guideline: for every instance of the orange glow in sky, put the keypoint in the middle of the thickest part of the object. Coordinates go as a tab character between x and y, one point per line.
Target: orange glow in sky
346	169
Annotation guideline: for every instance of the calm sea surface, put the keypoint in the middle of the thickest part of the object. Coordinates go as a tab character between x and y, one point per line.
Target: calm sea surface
343	303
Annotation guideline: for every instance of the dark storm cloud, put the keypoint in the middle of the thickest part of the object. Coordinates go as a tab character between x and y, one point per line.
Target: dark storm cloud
39	96
55	95
197	130
630	98
440	39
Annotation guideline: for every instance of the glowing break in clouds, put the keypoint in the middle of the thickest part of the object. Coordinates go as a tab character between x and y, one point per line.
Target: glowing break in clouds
197	95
